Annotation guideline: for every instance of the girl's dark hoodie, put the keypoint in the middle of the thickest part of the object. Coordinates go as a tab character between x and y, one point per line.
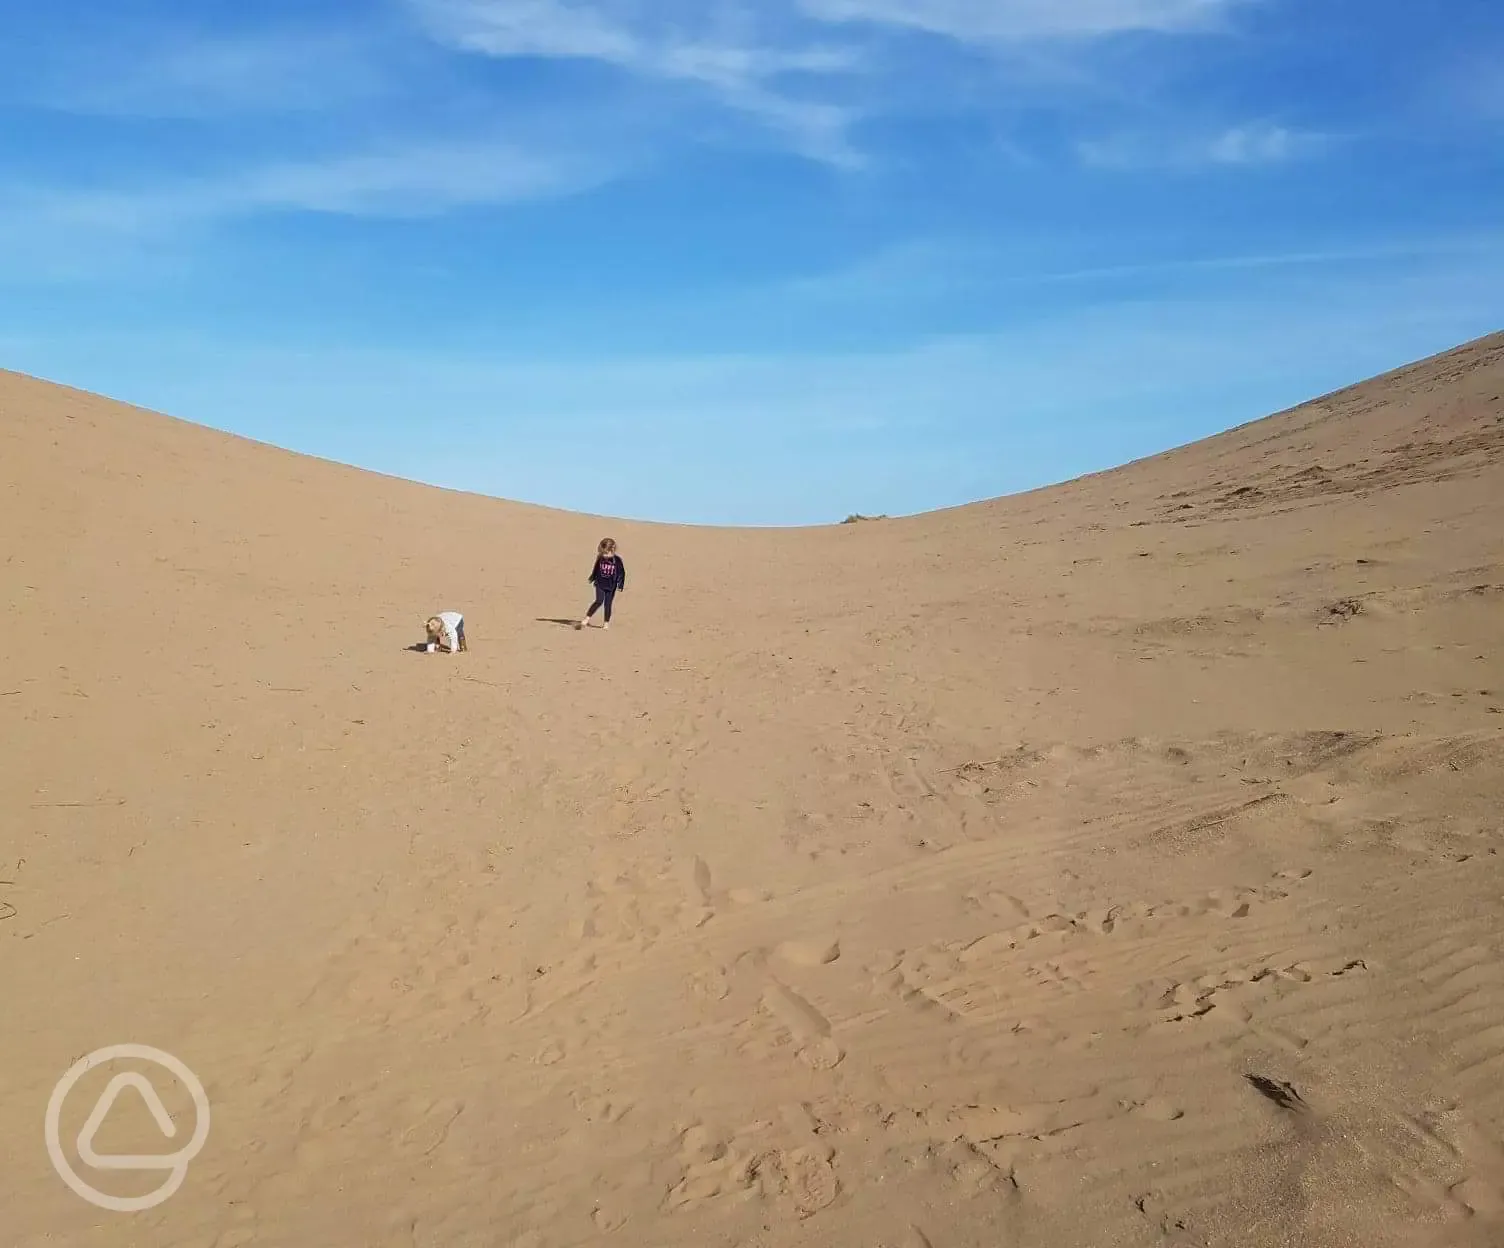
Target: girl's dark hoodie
608	572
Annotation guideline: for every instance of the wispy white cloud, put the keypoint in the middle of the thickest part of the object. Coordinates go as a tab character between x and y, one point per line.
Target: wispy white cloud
1010	21
422	179
1250	144
812	69
919	270
383	141
50	229
1259	145
806	72
953	283
162	72
743	62
710	41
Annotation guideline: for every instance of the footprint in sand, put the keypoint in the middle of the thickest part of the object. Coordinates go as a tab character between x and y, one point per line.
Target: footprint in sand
699	907
995	1047
1103	922
608	1220
971	1169
1003	907
803	1178
428	1126
809	952
702	881
709	985
712	1167
1230	905
604	1109
809	1028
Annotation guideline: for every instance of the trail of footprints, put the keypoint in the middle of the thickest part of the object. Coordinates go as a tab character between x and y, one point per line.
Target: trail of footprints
752	1164
1014	974
1230	989
1235	903
951	980
966	979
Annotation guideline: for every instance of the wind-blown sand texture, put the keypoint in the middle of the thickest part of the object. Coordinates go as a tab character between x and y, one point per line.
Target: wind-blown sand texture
1117	864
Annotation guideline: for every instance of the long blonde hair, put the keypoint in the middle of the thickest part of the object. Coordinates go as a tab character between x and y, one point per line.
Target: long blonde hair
607	546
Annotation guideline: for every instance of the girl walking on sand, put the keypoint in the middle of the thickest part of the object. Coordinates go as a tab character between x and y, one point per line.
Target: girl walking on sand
608	575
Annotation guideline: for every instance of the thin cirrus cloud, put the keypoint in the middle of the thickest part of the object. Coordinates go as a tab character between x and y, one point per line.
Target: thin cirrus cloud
1002	21
772	71
714	43
1235	146
806	72
168	72
411	181
719	41
811	69
43	228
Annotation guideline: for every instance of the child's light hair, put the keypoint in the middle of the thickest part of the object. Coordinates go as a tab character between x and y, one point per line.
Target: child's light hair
608	545
434	625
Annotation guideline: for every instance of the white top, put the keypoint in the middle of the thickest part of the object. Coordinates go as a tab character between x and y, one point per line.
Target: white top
449	638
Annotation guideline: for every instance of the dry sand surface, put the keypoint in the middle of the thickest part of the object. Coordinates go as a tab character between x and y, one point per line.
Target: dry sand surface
1115	864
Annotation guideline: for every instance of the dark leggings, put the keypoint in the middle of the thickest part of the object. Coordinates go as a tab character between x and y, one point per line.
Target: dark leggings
603	598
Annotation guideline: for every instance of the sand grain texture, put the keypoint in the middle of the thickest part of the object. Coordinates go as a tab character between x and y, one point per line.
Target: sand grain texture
1117	864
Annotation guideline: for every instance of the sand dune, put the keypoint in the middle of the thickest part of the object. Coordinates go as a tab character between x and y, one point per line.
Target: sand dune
1115	864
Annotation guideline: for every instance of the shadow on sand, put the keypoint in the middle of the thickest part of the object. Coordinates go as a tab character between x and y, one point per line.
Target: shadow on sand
550	619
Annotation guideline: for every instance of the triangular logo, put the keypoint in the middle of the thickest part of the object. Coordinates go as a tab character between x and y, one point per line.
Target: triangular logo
101	1111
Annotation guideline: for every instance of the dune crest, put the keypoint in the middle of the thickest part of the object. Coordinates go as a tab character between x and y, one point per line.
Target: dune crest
1118	863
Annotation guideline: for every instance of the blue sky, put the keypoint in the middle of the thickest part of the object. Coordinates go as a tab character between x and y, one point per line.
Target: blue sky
744	261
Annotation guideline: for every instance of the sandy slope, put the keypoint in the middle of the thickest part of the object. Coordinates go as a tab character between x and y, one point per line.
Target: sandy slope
974	879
